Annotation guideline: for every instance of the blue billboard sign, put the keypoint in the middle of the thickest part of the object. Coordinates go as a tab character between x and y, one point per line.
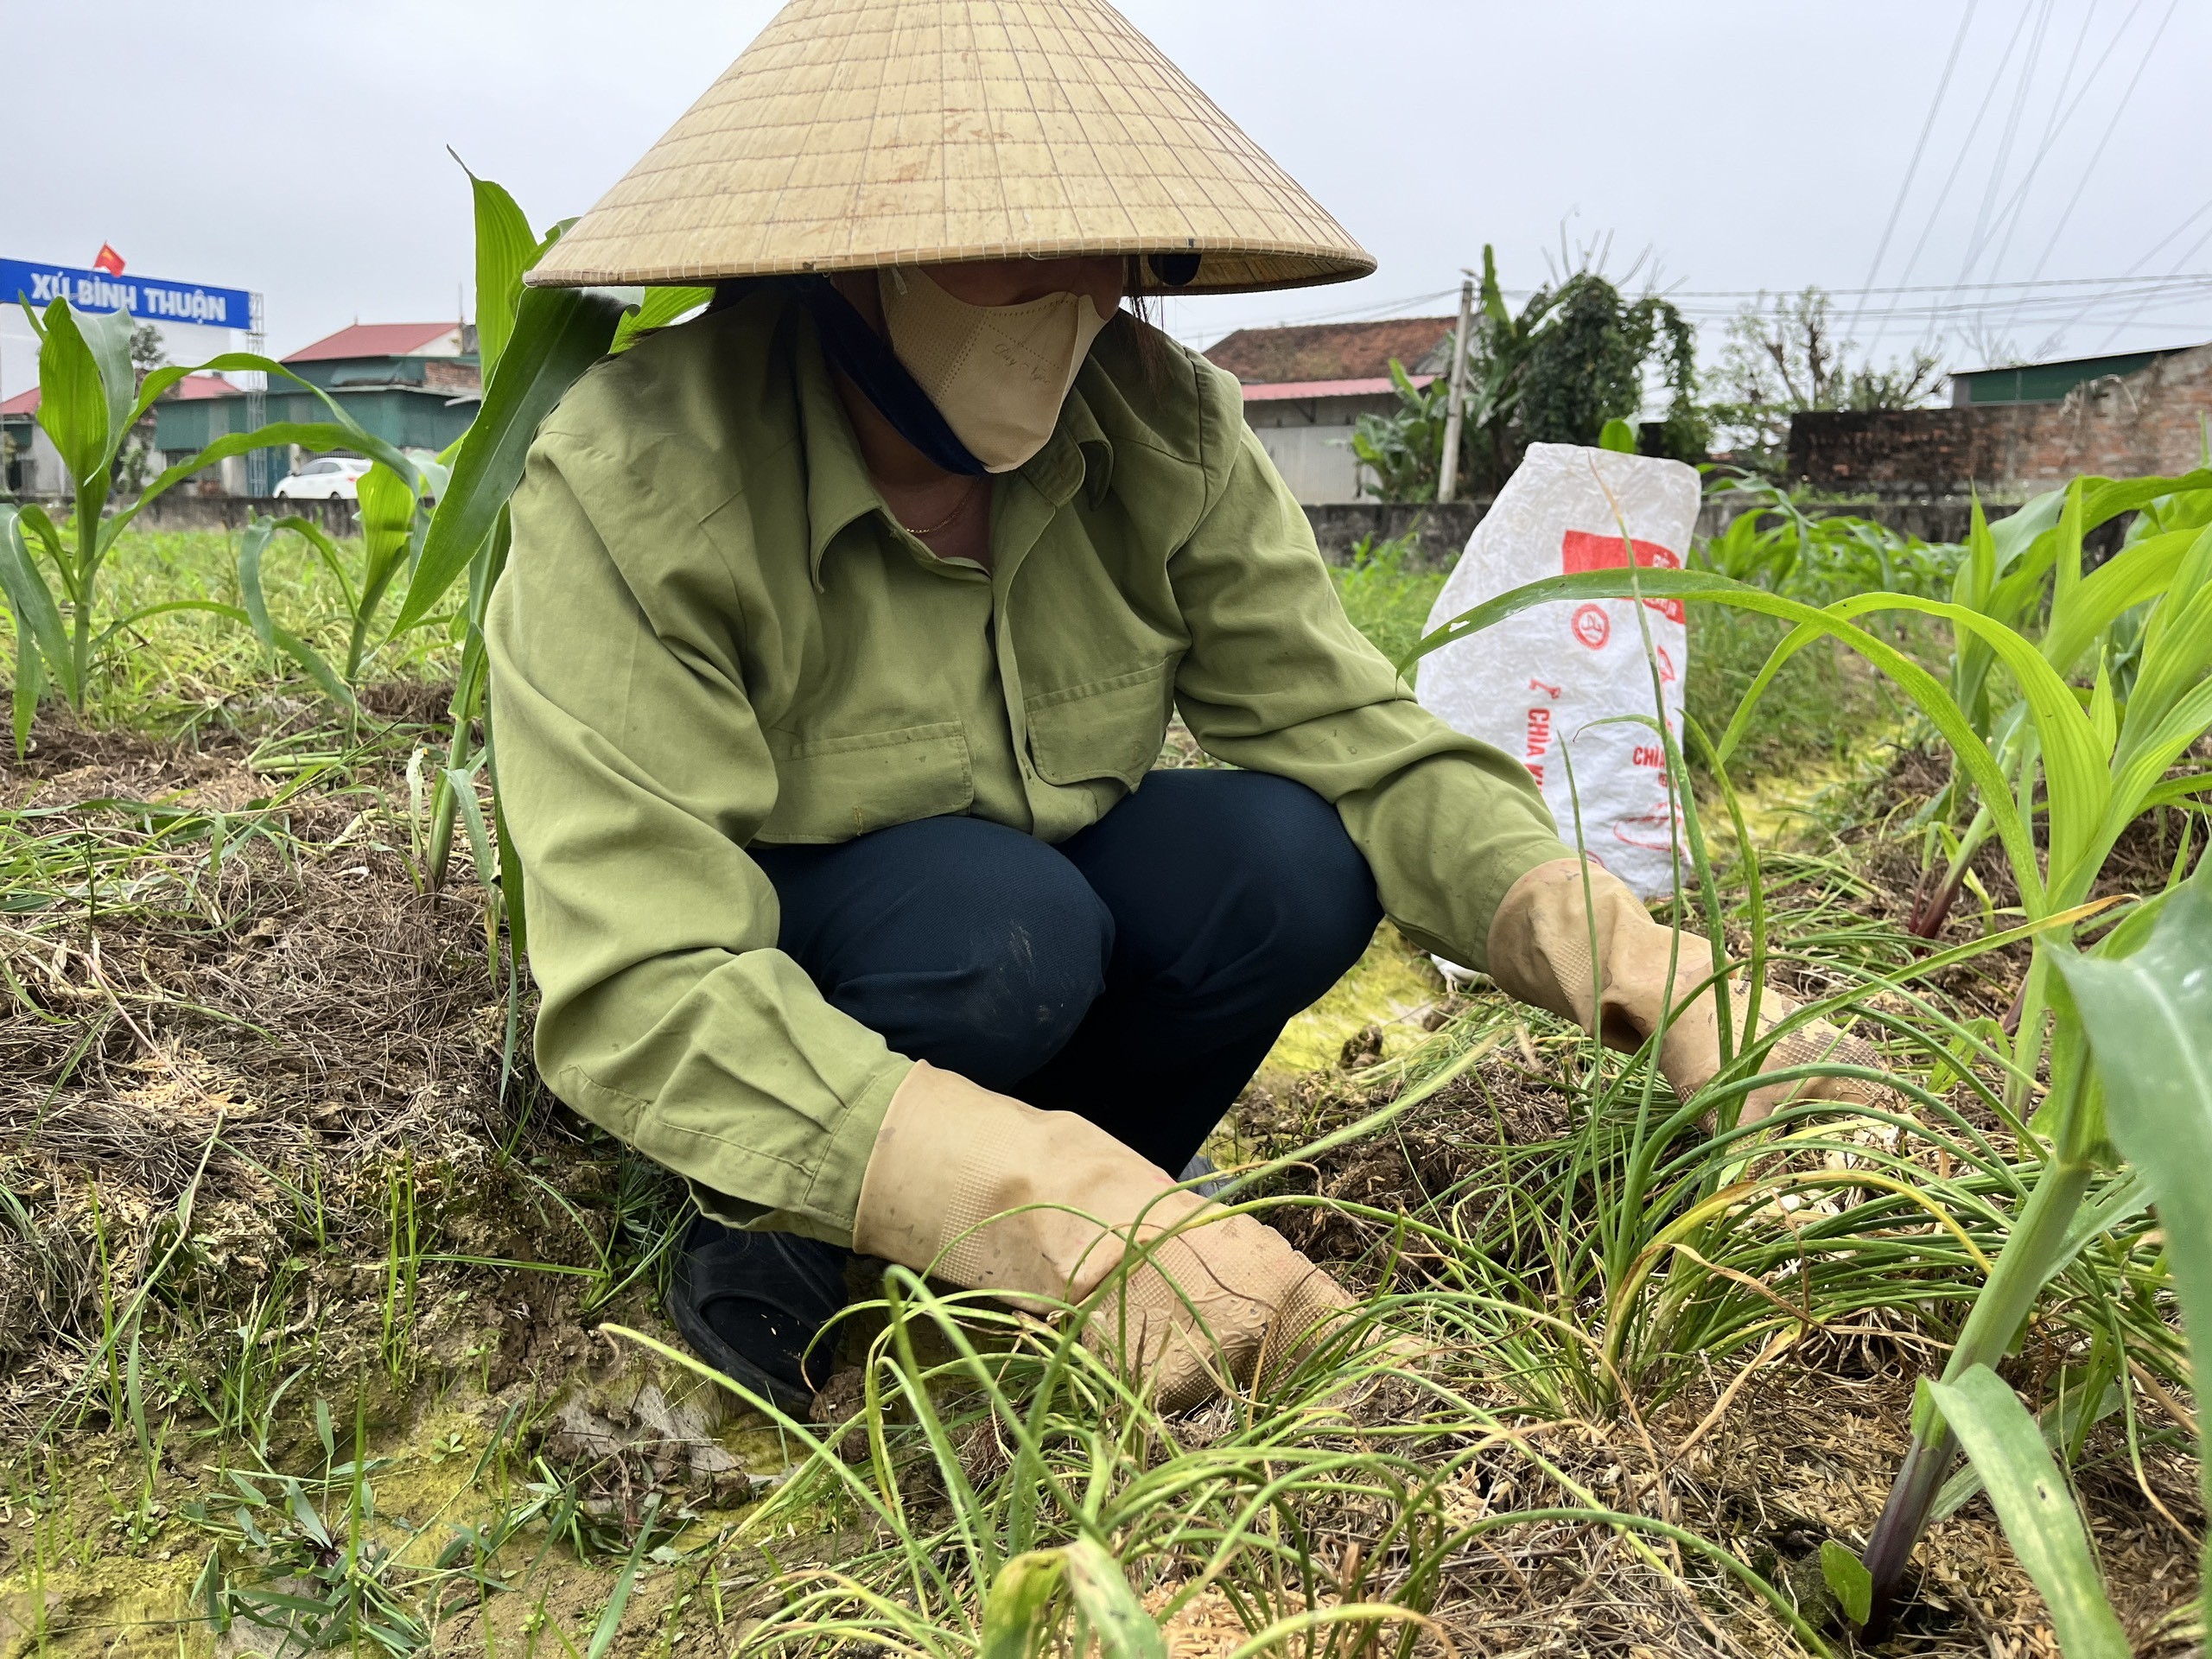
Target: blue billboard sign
146	297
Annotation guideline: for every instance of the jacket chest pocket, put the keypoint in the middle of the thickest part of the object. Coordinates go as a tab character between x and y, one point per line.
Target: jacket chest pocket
1107	728
831	789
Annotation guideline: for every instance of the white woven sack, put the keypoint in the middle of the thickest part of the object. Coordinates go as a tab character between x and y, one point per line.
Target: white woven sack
1553	682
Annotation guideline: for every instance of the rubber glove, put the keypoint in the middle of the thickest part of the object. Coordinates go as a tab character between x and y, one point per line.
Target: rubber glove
993	1194
1540	952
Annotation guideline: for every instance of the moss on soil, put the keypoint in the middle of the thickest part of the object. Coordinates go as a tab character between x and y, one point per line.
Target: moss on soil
1389	990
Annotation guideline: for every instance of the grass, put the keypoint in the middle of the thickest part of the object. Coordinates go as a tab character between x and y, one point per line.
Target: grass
1385	600
187	672
336	1254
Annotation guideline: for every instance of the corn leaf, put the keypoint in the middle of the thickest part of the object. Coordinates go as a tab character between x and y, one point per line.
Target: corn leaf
2148	1016
505	249
387	502
1117	1619
1019	1594
30	685
77	404
252	546
1023	1591
559	333
662	306
38	619
2032	1501
2137	573
275	436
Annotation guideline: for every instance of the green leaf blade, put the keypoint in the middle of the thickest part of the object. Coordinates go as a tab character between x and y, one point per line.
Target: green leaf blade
1848	1580
2148	1017
2036	1509
559	334
505	249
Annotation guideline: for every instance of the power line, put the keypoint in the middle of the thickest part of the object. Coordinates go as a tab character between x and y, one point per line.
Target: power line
1896	208
2138	312
2062	111
1912	302
1958	161
2126	101
1983	228
1938	287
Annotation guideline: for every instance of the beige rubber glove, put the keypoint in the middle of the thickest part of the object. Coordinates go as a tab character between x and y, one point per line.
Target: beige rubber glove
1540	952
952	1156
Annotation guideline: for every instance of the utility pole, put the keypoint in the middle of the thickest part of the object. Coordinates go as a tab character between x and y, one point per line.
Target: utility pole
1447	474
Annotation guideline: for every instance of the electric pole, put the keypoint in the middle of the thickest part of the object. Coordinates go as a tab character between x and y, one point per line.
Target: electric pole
1447	474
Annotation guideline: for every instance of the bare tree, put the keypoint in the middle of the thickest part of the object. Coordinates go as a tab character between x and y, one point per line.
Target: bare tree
1781	357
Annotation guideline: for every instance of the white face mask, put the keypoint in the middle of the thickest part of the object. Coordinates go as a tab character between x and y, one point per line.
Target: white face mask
997	374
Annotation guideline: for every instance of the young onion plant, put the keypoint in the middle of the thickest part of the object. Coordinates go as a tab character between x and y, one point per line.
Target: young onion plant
2059	788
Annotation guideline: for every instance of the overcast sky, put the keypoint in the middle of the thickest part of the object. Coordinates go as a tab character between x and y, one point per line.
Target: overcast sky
298	148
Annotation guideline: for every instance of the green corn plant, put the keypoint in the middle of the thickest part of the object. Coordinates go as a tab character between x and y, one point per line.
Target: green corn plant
2008	569
2031	1500
2092	768
534	343
394	518
91	398
2142	1004
1775	544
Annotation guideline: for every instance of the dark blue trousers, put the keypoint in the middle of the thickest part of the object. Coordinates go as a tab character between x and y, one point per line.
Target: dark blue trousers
1136	972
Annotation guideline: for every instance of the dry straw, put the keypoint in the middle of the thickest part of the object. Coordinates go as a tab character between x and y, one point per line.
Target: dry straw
858	133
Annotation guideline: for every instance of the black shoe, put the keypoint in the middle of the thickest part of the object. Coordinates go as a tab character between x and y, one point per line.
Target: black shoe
1199	1166
750	1305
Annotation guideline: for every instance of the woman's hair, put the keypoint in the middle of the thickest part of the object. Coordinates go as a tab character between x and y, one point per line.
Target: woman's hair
1147	340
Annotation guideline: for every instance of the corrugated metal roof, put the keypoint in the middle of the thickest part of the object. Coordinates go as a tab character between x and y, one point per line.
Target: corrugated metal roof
1330	350
374	339
193	388
1368	388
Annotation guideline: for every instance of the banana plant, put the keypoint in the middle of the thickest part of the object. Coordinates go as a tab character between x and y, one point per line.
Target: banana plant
90	399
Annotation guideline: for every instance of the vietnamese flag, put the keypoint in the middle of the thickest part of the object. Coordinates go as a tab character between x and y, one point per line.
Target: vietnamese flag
108	260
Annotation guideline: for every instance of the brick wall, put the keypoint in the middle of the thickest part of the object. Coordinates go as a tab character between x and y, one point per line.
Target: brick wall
2148	421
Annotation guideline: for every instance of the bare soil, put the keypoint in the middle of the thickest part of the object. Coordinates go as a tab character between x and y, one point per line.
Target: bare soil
264	1112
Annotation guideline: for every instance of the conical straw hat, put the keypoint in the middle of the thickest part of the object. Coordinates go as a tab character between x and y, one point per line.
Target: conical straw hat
858	133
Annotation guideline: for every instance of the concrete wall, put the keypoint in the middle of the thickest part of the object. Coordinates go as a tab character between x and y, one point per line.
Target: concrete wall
1442	530
2151	421
179	511
1315	461
1309	440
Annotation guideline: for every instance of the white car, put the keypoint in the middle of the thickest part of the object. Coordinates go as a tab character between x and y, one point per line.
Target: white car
320	481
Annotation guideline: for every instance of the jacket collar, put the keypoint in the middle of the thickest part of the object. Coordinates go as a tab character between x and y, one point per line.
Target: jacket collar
839	491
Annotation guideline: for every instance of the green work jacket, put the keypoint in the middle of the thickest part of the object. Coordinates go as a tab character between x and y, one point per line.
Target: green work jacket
712	634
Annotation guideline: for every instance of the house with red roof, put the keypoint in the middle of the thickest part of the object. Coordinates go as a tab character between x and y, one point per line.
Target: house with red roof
415	384
34	466
1307	386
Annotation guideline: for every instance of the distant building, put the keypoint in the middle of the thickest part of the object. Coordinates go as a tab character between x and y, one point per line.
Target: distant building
2015	432
33	464
2045	383
415	384
1305	388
